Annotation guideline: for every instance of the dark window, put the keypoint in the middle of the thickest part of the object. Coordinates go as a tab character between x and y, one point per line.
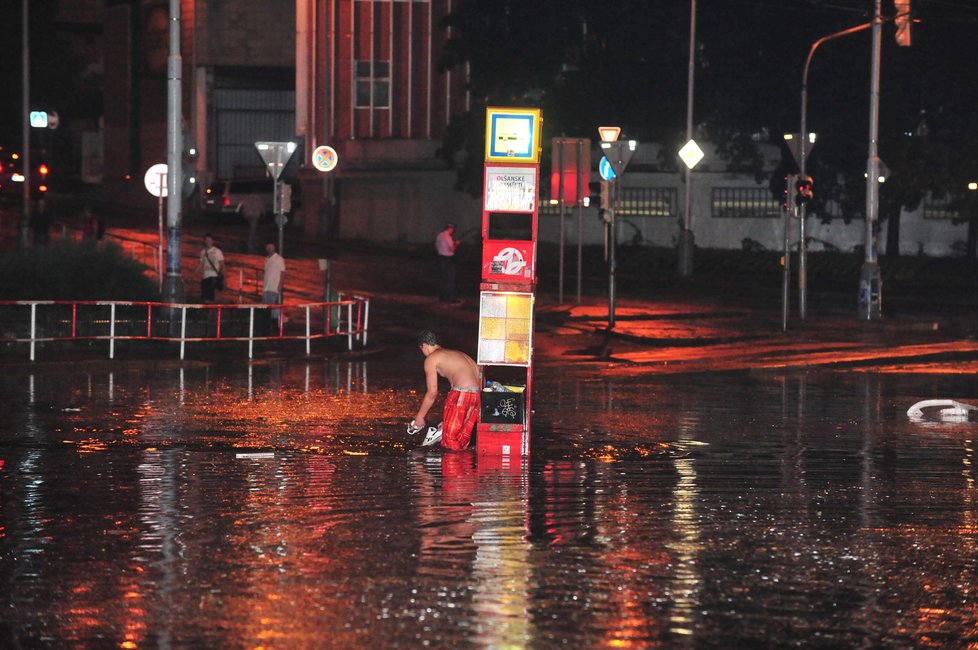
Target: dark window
373	84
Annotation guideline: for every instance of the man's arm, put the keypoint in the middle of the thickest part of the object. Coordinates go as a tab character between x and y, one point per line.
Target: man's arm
431	392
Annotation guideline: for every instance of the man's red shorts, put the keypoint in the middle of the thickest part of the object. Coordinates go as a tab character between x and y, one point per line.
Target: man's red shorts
461	413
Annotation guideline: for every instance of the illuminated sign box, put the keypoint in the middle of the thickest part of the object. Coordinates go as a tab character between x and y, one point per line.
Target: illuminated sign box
513	135
505	328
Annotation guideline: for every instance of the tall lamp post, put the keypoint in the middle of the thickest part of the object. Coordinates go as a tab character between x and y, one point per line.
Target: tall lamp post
870	279
24	225
686	239
173	282
805	139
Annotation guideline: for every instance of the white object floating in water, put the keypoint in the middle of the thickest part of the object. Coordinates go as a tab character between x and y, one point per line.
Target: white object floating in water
948	409
256	454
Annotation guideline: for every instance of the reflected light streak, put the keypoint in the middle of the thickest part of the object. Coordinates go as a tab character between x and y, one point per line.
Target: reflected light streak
688	581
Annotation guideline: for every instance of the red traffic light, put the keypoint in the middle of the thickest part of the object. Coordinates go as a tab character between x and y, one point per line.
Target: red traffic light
803	186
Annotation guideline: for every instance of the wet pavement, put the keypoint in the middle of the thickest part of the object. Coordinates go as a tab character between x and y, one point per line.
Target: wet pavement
280	504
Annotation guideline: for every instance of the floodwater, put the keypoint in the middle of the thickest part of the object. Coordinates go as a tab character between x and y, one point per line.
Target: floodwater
282	505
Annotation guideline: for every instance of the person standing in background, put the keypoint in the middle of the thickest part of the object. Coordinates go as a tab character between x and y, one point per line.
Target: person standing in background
272	282
211	265
445	245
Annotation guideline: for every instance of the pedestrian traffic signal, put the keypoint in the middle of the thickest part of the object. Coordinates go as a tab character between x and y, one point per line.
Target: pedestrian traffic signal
804	190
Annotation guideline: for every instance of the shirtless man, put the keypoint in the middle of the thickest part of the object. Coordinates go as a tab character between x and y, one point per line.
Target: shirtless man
462	403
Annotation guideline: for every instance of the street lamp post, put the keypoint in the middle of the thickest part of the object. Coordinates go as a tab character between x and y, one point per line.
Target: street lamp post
870	279
803	136
686	239
24	225
173	282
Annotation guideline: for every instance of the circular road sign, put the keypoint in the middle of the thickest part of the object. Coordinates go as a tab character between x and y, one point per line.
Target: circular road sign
605	169
324	158
155	180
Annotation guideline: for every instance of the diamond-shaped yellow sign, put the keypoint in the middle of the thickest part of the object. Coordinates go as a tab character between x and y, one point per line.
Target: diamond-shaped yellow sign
691	154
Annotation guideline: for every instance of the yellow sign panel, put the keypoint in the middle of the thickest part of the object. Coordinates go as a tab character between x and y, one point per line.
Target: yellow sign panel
513	135
505	328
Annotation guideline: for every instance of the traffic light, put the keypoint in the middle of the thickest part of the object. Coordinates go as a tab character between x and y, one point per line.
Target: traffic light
804	190
604	204
902	20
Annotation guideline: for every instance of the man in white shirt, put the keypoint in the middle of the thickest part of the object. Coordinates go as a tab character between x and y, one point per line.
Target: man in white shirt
272	282
445	245
211	264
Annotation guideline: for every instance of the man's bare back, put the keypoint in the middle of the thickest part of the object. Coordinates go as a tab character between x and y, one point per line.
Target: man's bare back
457	367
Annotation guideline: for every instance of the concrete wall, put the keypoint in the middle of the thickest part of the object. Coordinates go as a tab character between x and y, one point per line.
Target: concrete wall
411	207
403	206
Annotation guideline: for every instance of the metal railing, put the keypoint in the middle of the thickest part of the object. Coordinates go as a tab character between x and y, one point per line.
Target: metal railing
50	321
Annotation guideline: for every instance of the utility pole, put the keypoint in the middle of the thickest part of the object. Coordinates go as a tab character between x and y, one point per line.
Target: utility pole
173	282
870	279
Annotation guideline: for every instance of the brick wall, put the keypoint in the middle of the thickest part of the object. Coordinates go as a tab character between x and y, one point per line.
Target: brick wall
246	33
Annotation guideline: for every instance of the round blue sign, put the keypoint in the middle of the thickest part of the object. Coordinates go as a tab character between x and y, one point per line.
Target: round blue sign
604	168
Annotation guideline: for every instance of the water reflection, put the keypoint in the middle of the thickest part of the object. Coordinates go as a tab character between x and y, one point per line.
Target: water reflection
282	504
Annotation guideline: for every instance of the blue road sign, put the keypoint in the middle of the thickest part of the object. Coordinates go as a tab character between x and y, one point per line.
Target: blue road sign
604	168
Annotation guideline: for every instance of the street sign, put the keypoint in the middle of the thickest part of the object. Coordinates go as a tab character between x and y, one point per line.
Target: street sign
619	154
604	168
155	180
275	155
691	154
609	133
324	158
513	135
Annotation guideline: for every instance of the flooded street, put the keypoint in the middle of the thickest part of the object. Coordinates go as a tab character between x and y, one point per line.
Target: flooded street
282	505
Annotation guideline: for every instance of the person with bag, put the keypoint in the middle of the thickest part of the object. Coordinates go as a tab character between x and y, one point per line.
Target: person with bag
211	270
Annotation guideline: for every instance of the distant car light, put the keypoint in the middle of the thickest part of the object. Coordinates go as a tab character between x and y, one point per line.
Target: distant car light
43	169
17	177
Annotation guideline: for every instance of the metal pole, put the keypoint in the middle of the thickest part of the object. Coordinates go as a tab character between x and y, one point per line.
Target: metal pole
173	284
159	254
686	238
786	271
802	154
612	244
279	216
23	235
802	245
580	215
560	198
870	280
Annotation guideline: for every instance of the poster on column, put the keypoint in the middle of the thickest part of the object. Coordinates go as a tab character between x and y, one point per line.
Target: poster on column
510	189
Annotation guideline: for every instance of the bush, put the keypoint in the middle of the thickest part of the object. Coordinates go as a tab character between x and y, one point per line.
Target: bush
70	270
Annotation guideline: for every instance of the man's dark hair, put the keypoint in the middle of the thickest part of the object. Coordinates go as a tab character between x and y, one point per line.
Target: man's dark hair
429	337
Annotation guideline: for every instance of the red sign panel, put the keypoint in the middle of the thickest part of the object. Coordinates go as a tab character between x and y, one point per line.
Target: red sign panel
508	261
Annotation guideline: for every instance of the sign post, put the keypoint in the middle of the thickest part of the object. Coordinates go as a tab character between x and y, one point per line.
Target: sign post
276	156
155	182
617	155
